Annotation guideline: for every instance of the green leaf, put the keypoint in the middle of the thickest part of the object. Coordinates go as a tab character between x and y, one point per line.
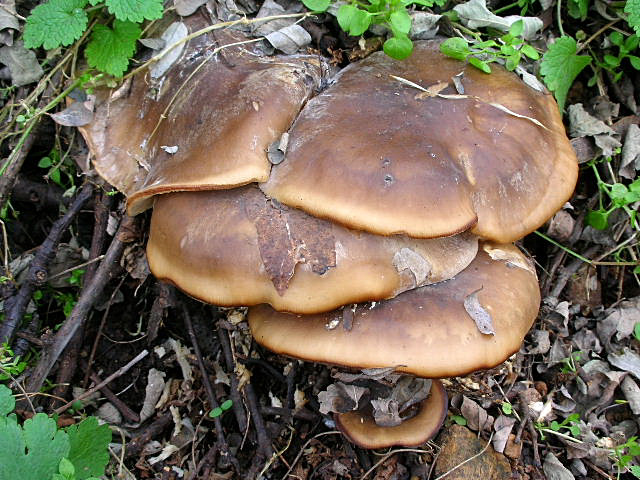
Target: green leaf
398	47
135	10
455	47
459	419
635	471
530	52
89	444
632	8
353	20
578	8
611	60
226	405
45	162
7	402
480	65
216	412
597	219
516	28
109	50
631	43
32	451
560	66
66	468
555	426
636	330
400	21
616	38
317	5
507	408
55	23
513	61
635	61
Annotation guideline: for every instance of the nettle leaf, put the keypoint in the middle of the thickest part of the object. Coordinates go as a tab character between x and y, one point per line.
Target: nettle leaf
353	20
109	50
632	8
135	10
55	23
88	451
560	66
398	47
33	451
317	5
456	47
7	402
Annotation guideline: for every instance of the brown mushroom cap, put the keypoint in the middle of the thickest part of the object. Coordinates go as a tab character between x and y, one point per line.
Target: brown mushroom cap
235	247
427	331
377	154
361	429
221	114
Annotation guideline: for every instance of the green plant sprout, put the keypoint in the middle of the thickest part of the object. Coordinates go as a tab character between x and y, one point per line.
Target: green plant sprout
570	364
570	424
10	365
458	420
612	63
224	406
620	196
636	331
624	454
355	18
507	408
508	49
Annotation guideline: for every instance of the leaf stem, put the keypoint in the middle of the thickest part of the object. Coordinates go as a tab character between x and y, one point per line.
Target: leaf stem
558	12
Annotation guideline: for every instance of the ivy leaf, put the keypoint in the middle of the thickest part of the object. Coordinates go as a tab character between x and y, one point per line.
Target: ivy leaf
317	5
560	66
109	50
353	20
55	23
33	451
89	448
135	10
632	8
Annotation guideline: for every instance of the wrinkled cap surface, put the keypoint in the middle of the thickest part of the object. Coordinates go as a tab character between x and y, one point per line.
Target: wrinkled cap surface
360	428
377	154
214	114
432	331
236	247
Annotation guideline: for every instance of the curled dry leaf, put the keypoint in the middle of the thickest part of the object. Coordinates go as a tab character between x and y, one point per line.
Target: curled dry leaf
477	417
479	314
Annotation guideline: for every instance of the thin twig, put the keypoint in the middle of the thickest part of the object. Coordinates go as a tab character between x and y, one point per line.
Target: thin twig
118	373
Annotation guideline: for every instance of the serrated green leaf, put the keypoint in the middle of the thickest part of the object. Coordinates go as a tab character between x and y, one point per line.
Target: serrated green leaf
32	451
317	5
89	444
135	10
398	47
353	20
480	64
55	23
455	47
632	8
401	21
560	66
7	401
109	50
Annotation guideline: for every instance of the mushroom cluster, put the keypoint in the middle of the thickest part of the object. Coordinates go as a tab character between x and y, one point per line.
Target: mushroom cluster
381	238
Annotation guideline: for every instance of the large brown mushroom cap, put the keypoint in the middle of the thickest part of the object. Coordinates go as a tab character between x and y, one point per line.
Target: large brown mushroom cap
361	429
236	247
378	154
427	332
221	111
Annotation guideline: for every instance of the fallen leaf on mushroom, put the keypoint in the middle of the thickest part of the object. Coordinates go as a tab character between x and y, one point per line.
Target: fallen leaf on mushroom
360	245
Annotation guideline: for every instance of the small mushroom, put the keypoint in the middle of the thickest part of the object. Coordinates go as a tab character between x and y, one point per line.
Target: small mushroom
427	332
237	247
376	152
360	427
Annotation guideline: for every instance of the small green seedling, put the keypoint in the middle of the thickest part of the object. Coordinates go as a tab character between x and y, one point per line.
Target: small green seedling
508	49
612	63
507	408
570	423
224	406
355	18
624	454
10	365
570	364
459	420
